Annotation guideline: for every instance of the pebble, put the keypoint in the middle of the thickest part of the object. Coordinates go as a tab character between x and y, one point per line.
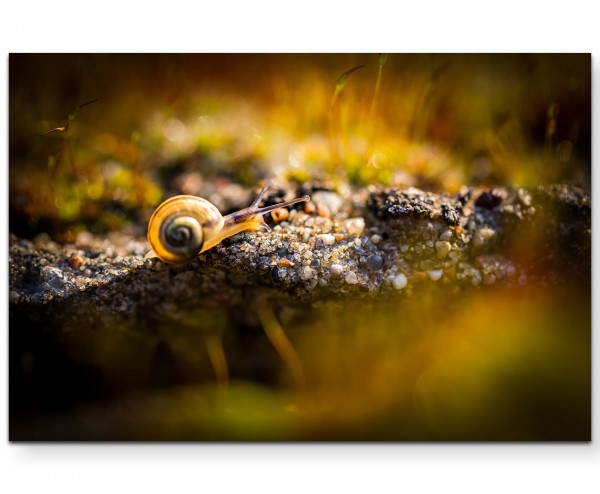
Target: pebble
284	263
13	297
326	199
76	261
355	226
53	277
307	273
399	281
443	248
336	269
327	238
447	235
375	262
280	214
483	236
307	233
435	274
315	264
351	278
376	238
323	211
454	255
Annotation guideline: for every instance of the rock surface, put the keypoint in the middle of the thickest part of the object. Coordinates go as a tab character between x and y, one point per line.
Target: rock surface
366	243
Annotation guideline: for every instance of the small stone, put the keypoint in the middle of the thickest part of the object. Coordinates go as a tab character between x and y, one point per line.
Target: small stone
376	238
309	207
375	262
328	200
355	226
307	273
323	211
13	296
76	261
399	281
284	263
315	264
327	238
336	269
447	235
454	255
435	274
53	277
307	233
483	237
443	248
351	278
280	214
524	197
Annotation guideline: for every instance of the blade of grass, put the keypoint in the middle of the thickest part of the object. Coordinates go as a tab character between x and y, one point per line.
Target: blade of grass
382	60
339	86
340	83
216	354
280	341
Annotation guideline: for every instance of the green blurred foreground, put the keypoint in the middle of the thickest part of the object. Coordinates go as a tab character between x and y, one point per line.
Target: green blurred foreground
494	364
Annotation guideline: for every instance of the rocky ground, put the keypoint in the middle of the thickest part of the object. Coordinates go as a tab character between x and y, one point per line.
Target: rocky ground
365	243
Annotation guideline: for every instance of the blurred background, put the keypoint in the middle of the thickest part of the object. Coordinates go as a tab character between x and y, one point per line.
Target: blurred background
97	141
433	121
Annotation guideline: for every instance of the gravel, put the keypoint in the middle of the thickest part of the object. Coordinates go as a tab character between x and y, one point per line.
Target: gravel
368	243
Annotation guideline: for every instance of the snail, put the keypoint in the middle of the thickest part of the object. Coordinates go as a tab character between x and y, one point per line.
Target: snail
184	226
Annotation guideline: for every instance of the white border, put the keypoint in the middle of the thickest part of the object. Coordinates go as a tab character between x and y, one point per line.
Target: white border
307	26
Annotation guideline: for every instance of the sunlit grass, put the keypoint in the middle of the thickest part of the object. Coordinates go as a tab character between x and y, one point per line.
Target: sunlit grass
436	122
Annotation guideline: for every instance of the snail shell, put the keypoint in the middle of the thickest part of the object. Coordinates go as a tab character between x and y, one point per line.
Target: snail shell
184	226
180	226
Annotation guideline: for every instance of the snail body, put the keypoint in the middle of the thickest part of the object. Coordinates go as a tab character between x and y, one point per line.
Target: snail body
184	226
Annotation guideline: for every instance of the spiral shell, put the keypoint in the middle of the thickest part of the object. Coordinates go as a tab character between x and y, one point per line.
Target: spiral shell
180	226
